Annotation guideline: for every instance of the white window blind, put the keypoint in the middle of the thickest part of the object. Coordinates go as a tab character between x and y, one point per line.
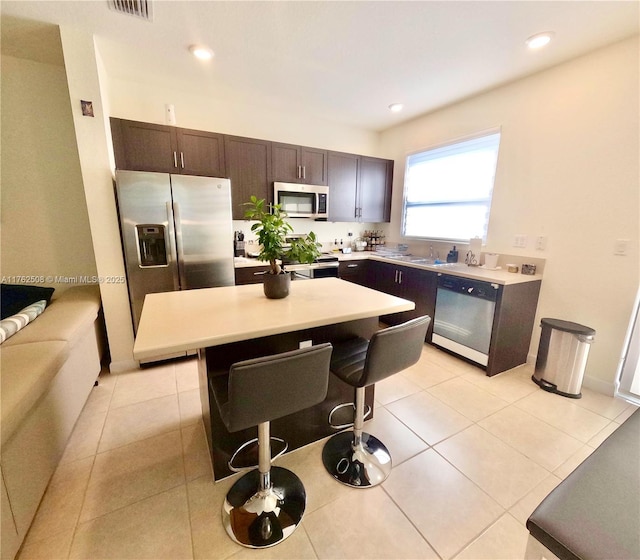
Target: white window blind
448	189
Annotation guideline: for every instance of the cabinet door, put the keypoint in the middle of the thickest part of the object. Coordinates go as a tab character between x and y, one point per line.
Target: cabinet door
144	146
343	180
285	163
249	168
374	189
314	166
250	275
201	153
354	271
298	164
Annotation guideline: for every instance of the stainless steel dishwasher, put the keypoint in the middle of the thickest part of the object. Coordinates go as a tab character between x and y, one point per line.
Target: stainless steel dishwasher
464	316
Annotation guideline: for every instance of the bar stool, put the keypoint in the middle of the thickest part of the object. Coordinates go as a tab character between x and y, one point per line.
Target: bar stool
356	458
265	505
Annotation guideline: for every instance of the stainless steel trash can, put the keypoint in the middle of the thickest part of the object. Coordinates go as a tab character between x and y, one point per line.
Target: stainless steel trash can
562	357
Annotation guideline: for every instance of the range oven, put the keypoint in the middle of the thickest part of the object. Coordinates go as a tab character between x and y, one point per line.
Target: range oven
302	201
326	266
463	319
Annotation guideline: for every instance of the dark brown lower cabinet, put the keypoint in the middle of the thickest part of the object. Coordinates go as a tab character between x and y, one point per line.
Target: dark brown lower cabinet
409	283
513	324
250	274
356	271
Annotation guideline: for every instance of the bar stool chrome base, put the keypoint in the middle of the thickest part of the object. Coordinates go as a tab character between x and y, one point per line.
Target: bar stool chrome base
359	465
258	518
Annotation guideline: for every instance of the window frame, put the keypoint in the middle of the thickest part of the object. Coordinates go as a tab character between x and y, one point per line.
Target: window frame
459	140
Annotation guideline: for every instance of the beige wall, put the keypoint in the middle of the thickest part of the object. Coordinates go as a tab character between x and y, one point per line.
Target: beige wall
146	102
83	69
569	170
45	227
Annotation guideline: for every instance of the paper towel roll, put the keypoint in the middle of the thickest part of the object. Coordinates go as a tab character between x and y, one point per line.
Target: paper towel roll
475	246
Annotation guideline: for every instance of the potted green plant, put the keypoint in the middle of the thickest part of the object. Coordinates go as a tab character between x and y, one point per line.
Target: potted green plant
272	228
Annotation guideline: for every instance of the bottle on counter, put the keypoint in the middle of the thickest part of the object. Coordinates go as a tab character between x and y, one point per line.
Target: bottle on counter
452	256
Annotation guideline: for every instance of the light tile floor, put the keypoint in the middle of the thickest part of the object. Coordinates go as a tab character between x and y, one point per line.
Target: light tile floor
473	456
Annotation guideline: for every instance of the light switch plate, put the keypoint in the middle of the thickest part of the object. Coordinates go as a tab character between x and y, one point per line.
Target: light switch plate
621	247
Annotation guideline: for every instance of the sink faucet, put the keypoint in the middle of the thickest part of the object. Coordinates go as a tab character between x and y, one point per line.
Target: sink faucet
430	251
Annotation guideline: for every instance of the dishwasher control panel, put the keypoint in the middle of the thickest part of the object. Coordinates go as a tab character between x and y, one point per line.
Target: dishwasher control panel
466	286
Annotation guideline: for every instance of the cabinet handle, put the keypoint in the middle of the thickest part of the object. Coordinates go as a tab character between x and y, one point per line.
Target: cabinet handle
175	160
304	171
352	266
182	159
400	275
299	172
259	273
396	278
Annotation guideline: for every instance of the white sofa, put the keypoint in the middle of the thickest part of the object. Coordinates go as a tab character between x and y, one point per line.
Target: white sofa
47	371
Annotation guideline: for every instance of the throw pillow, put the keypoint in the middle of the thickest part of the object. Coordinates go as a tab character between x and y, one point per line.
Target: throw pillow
11	325
15	297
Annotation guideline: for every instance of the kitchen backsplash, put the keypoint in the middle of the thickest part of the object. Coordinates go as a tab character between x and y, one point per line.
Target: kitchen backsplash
330	234
336	234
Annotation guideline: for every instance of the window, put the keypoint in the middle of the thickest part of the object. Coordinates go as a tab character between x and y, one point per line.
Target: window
447	190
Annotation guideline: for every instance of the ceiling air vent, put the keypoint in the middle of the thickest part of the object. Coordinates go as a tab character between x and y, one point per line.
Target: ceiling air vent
138	8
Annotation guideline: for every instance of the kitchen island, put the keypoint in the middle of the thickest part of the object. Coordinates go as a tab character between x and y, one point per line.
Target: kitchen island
234	323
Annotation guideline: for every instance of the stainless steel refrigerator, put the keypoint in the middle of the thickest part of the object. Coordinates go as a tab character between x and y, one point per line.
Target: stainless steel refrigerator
176	231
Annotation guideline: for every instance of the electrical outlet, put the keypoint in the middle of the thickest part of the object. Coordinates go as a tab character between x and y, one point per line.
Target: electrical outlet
541	243
621	247
520	241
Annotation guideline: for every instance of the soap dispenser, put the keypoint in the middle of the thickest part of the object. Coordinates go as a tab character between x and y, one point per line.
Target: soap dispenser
452	256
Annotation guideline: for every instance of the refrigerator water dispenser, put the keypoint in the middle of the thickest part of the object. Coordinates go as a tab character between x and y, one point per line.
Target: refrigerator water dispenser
152	250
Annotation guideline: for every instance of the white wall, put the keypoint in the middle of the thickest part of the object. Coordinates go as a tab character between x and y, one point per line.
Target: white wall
569	170
45	227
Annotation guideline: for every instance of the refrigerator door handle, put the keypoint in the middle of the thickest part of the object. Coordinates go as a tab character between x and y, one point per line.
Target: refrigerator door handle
172	248
180	246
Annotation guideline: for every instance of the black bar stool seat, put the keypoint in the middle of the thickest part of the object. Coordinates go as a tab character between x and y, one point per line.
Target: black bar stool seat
265	506
356	458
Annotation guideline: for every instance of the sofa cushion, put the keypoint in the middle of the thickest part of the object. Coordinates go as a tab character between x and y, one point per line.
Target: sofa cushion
66	318
15	297
27	370
11	325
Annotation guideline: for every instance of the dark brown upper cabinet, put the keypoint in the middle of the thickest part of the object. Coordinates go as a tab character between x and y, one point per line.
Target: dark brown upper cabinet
374	189
298	164
166	149
249	168
359	188
343	181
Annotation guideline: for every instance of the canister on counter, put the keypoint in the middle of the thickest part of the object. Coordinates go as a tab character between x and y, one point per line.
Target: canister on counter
512	268
529	269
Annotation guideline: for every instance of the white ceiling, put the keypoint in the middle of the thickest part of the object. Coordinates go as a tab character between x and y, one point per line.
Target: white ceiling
343	61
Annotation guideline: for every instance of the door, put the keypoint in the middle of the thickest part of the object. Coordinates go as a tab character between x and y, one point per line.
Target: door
249	168
343	179
147	229
314	166
204	232
374	189
201	153
144	146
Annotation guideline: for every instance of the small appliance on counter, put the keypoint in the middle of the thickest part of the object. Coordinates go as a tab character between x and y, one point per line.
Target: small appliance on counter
238	244
452	256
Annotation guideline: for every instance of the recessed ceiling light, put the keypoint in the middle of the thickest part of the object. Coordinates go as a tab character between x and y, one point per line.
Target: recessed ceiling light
201	51
395	107
539	40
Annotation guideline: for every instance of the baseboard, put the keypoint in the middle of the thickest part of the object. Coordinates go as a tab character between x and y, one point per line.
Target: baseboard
598	385
123	365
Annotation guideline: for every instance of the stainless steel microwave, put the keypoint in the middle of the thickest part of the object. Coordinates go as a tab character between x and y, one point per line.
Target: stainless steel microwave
302	201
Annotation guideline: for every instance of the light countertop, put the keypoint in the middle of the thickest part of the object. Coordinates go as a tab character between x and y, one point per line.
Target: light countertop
497	276
186	320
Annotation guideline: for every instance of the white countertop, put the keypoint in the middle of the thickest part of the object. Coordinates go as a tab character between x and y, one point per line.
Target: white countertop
174	322
498	276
